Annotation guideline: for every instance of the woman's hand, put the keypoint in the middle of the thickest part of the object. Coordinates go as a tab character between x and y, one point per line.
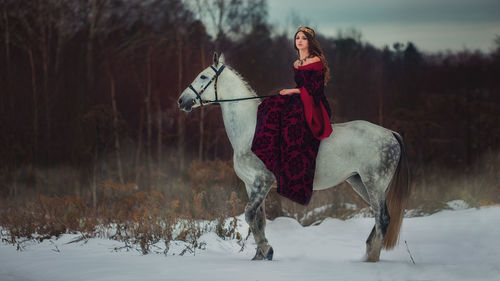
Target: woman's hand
285	92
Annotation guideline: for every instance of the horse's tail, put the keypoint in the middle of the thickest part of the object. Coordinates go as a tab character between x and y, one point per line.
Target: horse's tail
397	197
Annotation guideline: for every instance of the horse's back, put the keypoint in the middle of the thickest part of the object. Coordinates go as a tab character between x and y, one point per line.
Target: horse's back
352	147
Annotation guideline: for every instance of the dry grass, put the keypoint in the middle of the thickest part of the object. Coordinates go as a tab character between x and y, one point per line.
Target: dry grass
140	216
210	190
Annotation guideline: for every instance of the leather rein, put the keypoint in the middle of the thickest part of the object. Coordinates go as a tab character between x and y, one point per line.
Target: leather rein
217	100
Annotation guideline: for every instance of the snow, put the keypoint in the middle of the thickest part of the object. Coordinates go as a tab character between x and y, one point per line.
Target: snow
458	205
449	245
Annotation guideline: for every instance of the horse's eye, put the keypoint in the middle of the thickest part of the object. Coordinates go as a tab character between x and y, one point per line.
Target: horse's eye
203	77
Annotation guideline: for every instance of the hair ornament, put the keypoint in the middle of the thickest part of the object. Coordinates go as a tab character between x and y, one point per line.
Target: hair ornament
306	29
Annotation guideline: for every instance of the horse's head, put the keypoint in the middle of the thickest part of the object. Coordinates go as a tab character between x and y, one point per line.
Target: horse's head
203	88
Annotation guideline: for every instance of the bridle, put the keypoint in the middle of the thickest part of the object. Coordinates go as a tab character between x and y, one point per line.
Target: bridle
217	100
214	78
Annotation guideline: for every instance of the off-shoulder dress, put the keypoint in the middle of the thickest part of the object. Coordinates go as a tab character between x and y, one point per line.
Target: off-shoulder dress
288	132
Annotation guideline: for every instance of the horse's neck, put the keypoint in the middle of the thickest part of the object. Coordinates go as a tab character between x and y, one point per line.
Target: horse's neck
240	117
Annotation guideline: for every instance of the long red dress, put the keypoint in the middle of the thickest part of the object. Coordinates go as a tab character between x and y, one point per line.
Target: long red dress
289	129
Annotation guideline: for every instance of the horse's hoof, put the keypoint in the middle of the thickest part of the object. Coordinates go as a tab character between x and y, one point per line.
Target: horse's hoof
270	254
372	259
260	256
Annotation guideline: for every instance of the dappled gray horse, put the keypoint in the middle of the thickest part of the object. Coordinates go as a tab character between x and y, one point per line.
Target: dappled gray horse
370	158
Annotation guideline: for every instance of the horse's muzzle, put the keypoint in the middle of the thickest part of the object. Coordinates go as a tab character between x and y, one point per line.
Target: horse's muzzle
186	104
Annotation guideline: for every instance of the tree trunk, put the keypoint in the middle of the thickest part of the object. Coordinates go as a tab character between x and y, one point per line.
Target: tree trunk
94	179
93	20
115	126
139	146
44	49
46	96
17	174
380	107
8	98
7	39
88	87
160	135
201	133
377	82
181	117
35	116
202	109
149	121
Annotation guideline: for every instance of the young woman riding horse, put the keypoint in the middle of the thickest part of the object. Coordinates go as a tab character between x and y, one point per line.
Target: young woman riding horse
372	159
291	125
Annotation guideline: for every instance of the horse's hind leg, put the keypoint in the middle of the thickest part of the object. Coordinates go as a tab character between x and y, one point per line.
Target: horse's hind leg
256	218
376	237
376	196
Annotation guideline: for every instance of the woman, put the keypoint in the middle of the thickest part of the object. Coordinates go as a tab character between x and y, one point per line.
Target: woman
291	125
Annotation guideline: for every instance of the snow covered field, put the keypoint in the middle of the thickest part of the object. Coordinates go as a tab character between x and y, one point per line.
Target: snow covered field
449	245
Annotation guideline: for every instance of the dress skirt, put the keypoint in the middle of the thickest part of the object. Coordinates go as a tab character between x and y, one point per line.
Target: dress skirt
286	145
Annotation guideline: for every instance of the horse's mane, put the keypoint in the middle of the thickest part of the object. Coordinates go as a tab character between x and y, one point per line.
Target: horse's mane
245	83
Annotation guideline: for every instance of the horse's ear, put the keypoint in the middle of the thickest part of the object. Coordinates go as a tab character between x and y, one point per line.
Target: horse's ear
216	59
222	59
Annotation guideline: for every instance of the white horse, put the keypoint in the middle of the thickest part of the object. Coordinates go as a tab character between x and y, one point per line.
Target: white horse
370	158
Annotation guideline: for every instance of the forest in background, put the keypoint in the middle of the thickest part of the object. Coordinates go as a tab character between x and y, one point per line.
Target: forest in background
91	128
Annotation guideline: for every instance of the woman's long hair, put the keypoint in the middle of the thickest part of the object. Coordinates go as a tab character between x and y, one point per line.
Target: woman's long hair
314	48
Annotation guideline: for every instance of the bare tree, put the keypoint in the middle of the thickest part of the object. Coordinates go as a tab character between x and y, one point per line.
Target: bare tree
102	20
35	114
376	77
40	29
234	18
181	117
159	140
149	117
25	38
139	145
153	44
5	23
202	109
6	100
94	20
115	123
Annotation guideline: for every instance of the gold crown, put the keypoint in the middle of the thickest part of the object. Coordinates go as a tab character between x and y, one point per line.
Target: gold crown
306	29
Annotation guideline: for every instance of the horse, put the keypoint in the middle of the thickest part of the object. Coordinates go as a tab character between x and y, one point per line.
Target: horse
371	158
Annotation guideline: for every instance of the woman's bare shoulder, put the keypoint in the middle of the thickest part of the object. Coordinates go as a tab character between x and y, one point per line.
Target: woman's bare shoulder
314	59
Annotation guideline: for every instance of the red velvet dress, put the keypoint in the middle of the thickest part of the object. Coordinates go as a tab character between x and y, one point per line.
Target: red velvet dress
289	129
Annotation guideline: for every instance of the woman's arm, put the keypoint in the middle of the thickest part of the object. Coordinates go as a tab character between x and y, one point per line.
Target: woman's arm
297	90
289	91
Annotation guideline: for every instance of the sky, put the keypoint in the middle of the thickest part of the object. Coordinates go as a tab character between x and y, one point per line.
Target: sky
432	25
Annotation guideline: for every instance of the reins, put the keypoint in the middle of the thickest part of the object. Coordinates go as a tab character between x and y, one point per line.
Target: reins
247	98
217	100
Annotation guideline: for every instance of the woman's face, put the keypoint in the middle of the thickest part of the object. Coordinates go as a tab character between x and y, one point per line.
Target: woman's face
301	41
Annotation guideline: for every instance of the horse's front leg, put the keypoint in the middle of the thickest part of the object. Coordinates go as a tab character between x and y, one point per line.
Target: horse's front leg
255	216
